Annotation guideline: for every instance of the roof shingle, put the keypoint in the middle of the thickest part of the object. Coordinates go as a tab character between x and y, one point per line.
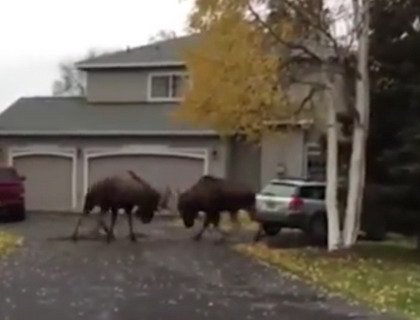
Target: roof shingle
73	115
162	52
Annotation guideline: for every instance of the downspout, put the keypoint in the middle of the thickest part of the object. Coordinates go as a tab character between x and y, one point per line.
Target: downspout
305	153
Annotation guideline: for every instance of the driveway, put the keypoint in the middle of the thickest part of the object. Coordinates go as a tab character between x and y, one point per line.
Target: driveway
163	276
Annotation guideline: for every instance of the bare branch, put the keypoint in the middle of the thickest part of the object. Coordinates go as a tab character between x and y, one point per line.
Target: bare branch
289	44
314	21
315	84
308	98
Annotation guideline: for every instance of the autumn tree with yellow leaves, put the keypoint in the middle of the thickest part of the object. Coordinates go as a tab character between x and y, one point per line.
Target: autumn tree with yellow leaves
235	72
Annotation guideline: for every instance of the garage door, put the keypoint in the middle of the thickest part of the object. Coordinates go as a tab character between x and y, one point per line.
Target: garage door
160	171
48	182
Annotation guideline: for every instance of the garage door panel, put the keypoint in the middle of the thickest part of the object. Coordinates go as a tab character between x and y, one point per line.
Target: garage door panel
160	171
48	182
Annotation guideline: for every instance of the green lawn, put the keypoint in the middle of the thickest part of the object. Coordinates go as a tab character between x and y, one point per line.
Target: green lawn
385	275
8	242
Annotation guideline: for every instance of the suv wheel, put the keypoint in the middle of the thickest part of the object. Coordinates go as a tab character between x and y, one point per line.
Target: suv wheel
318	228
271	229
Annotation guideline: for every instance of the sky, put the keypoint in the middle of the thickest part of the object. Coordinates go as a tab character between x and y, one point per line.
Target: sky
35	36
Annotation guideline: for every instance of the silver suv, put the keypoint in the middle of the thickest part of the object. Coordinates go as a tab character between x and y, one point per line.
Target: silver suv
293	203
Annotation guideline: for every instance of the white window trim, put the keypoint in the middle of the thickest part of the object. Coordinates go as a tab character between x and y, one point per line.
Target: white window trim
150	98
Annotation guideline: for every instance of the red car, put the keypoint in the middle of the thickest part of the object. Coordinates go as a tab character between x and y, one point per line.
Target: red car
12	194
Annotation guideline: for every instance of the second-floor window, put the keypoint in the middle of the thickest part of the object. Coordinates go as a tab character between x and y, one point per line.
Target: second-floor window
167	86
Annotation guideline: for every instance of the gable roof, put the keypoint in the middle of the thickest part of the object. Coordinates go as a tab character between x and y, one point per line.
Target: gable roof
169	53
74	116
162	53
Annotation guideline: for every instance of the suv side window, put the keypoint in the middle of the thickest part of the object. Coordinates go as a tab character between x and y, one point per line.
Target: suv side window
312	192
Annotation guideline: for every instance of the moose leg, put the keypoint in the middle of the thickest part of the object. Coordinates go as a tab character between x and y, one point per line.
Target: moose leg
234	217
114	215
100	223
130	225
78	224
259	234
216	224
206	224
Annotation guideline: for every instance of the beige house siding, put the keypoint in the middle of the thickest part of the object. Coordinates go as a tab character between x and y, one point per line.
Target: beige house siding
245	164
283	149
311	76
121	86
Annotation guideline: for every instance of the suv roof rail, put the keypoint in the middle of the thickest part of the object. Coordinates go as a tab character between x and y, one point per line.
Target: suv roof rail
291	178
308	179
299	179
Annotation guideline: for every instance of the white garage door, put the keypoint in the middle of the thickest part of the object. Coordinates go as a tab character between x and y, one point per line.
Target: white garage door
159	171
48	182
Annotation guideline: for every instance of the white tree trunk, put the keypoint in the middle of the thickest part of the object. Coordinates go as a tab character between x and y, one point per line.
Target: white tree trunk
354	188
365	89
357	170
362	187
334	233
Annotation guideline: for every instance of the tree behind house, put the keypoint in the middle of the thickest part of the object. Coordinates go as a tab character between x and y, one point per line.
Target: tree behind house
162	35
71	81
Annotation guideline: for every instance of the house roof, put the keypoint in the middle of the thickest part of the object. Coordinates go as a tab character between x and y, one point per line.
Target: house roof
170	53
74	116
162	53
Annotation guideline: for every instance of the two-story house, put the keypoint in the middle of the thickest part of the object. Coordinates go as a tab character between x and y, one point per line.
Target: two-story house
64	144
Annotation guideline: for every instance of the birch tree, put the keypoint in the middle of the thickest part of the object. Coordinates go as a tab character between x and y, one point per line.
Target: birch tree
357	172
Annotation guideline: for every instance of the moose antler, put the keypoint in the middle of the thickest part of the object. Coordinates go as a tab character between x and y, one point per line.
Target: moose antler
137	178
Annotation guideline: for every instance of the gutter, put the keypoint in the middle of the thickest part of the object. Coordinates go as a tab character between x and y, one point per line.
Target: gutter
129	65
109	133
304	123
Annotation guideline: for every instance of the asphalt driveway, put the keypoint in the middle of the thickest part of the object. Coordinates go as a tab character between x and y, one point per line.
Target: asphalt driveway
163	276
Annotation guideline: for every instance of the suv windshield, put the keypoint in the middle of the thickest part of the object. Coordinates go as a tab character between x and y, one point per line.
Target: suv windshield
279	189
8	175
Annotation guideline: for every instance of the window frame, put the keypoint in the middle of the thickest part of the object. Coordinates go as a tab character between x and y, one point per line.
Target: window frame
314	150
171	75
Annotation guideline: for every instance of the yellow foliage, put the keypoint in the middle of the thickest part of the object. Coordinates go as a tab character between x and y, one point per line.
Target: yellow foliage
234	72
8	243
